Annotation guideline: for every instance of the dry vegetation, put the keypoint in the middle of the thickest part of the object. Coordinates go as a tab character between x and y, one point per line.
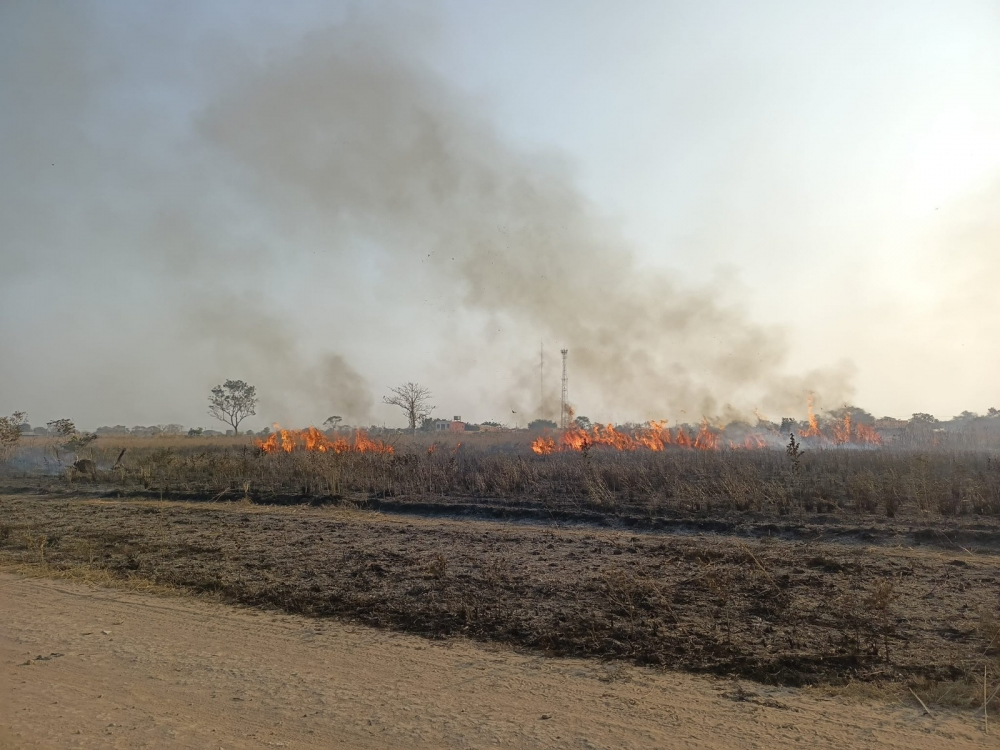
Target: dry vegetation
496	471
841	565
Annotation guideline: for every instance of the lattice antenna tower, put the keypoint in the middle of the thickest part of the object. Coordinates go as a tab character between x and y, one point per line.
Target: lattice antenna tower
564	408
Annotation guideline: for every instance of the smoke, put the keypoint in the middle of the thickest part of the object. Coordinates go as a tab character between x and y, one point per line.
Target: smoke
289	383
341	154
350	136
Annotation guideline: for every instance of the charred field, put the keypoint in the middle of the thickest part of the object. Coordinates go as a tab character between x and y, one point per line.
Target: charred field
834	566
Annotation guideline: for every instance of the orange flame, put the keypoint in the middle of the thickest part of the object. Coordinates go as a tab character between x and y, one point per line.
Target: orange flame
813	429
866	435
656	437
706	440
844	432
312	440
753	441
543	445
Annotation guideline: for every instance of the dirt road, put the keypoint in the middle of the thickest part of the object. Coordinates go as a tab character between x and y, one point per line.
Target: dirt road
89	667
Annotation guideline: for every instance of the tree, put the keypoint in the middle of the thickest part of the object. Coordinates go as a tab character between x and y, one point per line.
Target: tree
10	432
232	402
333	422
583	423
413	399
64	427
542	424
857	414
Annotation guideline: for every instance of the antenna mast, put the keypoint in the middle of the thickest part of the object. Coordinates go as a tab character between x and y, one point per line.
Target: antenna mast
541	376
564	410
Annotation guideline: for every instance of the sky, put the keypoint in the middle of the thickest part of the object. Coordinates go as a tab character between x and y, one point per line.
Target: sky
717	207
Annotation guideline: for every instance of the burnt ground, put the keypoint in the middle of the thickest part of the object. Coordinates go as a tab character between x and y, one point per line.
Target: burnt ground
782	609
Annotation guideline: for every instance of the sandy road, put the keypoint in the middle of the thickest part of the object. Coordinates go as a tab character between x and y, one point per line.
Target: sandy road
132	670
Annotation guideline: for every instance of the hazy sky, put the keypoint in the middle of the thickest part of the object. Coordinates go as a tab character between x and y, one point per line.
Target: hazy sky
716	206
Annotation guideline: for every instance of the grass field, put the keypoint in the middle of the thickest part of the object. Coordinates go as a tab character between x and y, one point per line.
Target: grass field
500	470
876	565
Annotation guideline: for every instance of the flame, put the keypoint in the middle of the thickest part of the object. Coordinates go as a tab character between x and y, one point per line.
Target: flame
543	445
706	440
753	441
813	429
844	432
312	440
655	437
866	435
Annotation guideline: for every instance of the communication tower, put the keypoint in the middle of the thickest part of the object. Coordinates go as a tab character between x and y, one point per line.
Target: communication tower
564	408
541	375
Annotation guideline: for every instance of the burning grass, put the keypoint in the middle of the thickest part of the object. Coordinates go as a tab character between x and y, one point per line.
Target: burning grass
500	471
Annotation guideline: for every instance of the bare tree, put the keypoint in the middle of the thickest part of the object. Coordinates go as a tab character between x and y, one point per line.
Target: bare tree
232	402
413	399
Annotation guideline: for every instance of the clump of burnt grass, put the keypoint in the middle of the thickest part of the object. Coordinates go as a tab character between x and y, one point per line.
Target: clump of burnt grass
786	612
501	472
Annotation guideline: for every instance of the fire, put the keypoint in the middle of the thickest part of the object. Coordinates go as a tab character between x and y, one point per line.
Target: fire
706	440
813	429
543	445
866	435
655	437
754	441
844	431
312	440
683	439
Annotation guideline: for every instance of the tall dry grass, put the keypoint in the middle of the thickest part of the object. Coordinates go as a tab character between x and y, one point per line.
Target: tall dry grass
500	469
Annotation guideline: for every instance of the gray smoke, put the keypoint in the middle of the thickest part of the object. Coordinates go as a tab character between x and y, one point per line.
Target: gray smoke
348	135
159	236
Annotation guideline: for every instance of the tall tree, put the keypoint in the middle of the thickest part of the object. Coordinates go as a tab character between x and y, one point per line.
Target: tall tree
413	399
232	402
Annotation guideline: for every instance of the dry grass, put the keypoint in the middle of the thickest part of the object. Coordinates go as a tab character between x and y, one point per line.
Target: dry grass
498	469
91	575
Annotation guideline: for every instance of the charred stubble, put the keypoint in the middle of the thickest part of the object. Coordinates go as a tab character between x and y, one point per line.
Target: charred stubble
787	612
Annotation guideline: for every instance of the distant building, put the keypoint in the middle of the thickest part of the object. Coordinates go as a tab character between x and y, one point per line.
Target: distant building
454	425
